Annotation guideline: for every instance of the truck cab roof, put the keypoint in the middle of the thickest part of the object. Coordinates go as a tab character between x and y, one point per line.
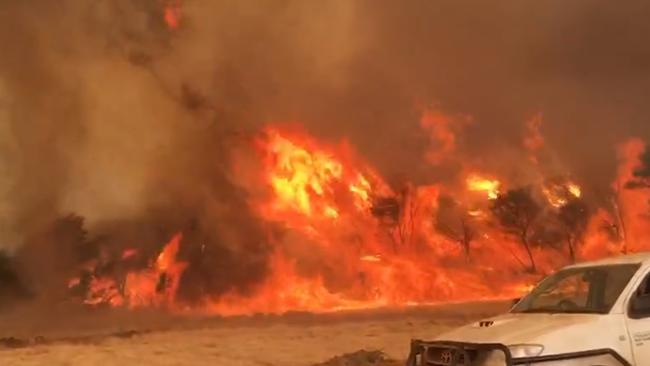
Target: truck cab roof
640	258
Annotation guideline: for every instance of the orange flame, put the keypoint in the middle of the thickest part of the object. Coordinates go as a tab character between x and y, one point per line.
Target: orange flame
574	189
154	286
559	194
476	183
376	265
312	182
172	13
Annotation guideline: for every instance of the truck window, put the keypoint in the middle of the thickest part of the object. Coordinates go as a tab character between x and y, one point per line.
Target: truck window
615	280
592	289
570	288
639	306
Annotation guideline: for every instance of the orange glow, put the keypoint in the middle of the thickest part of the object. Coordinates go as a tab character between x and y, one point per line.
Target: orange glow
301	175
311	182
574	189
104	290
172	13
559	194
154	286
378	263
443	139
476	183
74	282
340	238
157	285
534	141
128	253
476	213
371	258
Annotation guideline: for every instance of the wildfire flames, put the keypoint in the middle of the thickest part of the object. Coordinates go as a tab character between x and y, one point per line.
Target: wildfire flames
478	184
305	181
352	241
153	286
242	157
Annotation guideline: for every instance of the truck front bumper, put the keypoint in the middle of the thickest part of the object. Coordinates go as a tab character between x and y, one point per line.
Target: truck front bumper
448	353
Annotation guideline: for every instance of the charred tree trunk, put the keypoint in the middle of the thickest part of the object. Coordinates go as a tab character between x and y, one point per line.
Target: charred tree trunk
466	249
523	264
621	220
466	239
572	254
524	241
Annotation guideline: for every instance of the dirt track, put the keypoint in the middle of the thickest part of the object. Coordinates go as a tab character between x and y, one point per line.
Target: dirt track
291	340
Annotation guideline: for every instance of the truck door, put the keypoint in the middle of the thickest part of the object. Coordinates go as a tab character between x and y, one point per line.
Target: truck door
638	320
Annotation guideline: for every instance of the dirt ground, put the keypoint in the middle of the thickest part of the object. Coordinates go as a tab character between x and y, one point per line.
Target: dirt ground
359	338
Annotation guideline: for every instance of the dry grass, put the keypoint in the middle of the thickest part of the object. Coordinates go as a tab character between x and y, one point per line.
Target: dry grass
290	340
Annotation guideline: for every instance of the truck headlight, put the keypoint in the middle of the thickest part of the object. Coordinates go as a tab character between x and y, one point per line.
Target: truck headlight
525	350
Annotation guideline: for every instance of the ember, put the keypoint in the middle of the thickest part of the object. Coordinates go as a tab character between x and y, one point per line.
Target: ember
172	13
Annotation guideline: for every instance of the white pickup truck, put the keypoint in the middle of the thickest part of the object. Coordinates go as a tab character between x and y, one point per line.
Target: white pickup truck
592	314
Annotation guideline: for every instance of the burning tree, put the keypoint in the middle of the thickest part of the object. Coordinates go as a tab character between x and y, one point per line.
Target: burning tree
453	221
516	211
573	218
399	214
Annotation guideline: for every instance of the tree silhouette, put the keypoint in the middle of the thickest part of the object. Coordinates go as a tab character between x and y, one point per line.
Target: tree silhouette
516	211
399	215
452	221
386	208
644	171
53	255
573	218
11	287
640	180
641	176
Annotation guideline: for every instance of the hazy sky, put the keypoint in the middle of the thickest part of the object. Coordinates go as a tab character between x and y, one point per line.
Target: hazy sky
106	113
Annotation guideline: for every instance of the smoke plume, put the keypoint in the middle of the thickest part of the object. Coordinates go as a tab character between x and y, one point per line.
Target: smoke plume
109	113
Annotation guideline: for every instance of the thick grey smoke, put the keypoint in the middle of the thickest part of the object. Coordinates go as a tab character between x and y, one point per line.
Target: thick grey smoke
106	113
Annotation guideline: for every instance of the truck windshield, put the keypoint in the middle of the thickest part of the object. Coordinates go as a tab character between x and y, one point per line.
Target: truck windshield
578	290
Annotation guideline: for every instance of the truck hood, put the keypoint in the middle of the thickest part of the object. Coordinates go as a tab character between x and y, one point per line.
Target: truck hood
553	331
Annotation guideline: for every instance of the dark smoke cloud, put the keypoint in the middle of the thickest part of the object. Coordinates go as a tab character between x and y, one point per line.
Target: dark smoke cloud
106	113
583	65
